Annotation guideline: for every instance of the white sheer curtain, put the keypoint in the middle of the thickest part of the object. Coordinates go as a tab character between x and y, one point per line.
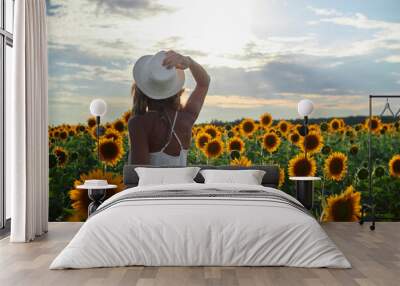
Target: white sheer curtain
28	120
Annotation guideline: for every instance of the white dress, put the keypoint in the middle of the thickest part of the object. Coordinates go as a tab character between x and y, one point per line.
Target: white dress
161	158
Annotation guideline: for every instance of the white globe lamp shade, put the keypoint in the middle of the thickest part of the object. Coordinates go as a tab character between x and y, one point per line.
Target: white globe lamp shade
98	107
305	107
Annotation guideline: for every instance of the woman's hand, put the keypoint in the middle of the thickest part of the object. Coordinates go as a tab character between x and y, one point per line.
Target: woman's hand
176	60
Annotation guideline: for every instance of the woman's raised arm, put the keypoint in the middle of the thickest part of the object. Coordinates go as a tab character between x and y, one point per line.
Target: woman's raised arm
196	99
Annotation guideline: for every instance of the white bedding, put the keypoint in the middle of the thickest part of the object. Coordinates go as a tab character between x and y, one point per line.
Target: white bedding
203	231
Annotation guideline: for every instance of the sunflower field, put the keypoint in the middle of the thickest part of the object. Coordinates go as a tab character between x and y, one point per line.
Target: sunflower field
337	152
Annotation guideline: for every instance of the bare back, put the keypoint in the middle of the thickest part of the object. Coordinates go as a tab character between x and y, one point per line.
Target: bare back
159	129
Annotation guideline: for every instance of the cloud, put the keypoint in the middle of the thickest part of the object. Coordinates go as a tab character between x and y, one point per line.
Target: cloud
298	73
324	12
169	43
361	21
133	8
245	102
176	43
391	59
93	72
385	34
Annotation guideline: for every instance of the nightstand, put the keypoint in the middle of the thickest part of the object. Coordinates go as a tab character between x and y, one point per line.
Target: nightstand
305	190
96	194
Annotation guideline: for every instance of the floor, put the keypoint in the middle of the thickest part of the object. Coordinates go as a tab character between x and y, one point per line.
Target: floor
375	257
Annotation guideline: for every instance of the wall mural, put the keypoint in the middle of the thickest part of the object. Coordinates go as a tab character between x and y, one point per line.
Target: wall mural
262	59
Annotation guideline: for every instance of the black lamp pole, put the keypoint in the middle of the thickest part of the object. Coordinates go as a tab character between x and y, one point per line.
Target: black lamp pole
305	135
98	136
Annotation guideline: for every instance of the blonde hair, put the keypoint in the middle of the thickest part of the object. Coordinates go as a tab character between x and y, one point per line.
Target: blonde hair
142	103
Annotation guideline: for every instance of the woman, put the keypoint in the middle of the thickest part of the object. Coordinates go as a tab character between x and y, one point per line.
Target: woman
161	128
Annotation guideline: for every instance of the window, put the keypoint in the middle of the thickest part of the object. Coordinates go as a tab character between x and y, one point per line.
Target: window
6	44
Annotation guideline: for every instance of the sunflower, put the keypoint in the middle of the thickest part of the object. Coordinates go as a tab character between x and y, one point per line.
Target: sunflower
336	166
350	132
247	127
242	161
314	128
294	137
324	126
260	128
375	124
79	198
384	129
214	148
312	142
379	171
358	127
111	152
283	127
126	116
271	142
363	174
236	130
112	134
343	207
80	128
354	150
61	154
236	144
394	166
281	177
266	120
63	134
202	139
300	166
212	130
335	125
71	133
91	122
56	133
119	125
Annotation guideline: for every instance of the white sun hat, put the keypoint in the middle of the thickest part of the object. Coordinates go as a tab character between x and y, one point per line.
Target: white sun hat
155	80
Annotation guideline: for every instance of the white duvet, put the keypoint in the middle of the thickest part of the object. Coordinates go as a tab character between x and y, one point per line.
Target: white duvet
200	231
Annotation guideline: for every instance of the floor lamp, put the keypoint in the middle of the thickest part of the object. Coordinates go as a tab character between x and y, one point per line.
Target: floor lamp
305	107
305	185
98	108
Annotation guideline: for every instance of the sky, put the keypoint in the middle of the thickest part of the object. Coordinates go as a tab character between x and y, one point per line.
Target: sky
261	55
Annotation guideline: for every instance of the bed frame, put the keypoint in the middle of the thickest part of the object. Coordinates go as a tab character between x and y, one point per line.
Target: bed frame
270	179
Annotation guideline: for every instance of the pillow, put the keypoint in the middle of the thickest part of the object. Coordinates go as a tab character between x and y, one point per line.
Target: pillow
249	177
166	176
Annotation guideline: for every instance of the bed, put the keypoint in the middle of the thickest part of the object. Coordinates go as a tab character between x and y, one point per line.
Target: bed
198	224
